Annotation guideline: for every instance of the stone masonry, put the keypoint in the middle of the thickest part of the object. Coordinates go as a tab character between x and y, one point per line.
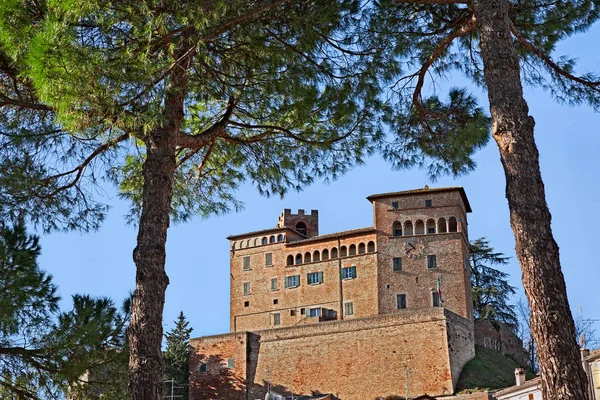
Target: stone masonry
354	313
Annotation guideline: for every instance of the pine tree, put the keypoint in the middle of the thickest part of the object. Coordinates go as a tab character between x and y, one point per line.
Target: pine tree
491	290
177	103
498	45
44	352
177	355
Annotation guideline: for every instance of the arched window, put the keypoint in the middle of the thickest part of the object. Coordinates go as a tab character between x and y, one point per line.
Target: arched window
361	248
256	242
248	243
343	251
233	245
307	257
334	253
452	225
325	254
316	256
272	239
264	240
430	226
298	258
280	238
352	250
290	260
301	228
442	225
397	229
419	227
408	228
371	247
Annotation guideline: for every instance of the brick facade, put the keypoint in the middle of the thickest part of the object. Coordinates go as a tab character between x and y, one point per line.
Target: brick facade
292	279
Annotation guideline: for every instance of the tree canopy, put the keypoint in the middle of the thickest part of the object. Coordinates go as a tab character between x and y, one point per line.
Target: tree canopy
45	352
491	290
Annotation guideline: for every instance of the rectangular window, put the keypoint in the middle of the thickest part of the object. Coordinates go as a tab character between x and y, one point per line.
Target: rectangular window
292	281
431	261
246	263
268	259
436	299
203	366
292	313
314	278
401	301
276	319
428	203
246	288
302	311
348	308
275	301
349	272
274	284
314	312
397	264
395	205
430	230
246	304
230	363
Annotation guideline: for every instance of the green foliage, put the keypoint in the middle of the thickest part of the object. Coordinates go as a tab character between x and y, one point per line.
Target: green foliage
303	96
177	356
488	370
43	351
491	290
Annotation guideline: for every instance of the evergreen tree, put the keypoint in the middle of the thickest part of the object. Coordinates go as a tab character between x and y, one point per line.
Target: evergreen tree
178	103
491	290
43	351
177	355
498	45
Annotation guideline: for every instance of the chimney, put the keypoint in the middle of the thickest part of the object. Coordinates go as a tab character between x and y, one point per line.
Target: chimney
520	376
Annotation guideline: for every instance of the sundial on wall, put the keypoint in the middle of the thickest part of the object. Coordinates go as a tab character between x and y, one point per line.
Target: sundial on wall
413	248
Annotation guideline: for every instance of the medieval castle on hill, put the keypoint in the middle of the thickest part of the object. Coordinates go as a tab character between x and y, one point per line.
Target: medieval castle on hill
356	314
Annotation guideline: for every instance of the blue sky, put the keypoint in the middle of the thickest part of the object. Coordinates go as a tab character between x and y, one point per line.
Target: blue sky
568	139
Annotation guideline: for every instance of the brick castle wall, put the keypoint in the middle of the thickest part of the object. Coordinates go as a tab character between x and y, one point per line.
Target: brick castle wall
353	359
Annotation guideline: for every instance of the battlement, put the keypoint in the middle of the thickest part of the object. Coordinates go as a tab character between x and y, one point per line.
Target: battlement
306	224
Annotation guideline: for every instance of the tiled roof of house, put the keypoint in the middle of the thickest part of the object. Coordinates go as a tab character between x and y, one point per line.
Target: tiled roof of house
350	232
426	189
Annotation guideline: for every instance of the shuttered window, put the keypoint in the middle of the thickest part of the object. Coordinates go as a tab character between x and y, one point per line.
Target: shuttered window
397	264
246	263
431	261
348	308
268	259
401	301
314	278
349	272
292	281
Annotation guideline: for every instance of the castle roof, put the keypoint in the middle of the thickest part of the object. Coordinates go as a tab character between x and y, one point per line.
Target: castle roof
426	189
328	236
263	231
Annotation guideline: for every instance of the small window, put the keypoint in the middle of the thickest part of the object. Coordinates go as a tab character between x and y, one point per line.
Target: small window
436	299
202	366
292	313
269	259
246	263
302	311
292	281
401	301
397	264
246	288
272	239
314	312
314	278
349	272
280	238
230	363
275	301
274	284
395	205
397	229
430	230
428	203
431	261
348	308
276	319
265	240
246	304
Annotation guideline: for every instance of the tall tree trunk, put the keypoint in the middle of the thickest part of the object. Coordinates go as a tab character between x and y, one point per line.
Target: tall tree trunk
146	366
551	320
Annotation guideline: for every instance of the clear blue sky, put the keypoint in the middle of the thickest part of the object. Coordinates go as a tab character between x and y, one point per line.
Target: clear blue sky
568	139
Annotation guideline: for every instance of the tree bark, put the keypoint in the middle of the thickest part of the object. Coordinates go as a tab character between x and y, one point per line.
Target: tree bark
551	320
146	366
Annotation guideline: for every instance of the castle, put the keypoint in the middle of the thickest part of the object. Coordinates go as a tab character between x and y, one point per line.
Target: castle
357	314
